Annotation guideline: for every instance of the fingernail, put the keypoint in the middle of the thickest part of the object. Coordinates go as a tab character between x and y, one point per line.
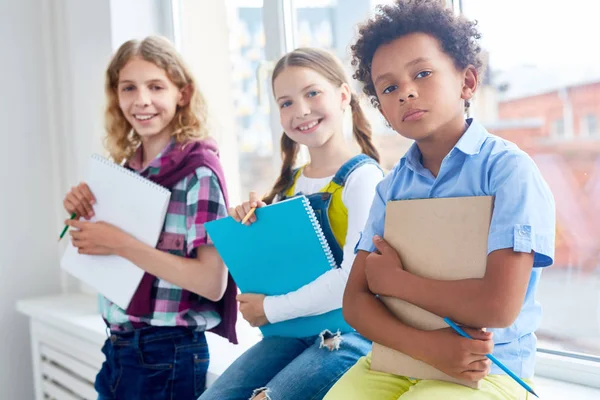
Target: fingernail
376	237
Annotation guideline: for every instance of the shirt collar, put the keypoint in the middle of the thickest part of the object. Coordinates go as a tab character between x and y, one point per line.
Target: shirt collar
472	140
136	162
470	143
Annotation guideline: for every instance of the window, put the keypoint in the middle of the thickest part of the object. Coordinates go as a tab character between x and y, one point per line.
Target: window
251	104
589	125
533	77
317	23
558	128
331	24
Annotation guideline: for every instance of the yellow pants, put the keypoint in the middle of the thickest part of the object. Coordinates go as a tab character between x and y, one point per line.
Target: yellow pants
360	383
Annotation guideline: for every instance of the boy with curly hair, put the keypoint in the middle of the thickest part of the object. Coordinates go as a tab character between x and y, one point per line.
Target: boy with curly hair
420	66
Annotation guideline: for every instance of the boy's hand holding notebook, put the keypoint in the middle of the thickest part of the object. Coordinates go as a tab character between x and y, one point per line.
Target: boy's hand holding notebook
382	266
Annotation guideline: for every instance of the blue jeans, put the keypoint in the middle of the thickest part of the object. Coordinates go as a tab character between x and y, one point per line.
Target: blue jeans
154	363
289	368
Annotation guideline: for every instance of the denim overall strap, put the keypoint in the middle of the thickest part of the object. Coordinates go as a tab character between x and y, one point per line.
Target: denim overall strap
322	201
349	166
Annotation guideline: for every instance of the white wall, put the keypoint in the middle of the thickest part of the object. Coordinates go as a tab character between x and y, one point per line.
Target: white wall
78	48
149	17
205	47
51	108
84	35
28	251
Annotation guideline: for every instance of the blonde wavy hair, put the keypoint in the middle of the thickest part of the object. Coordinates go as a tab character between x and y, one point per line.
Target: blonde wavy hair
189	122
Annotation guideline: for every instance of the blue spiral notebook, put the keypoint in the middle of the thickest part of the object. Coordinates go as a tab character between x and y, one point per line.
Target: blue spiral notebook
282	251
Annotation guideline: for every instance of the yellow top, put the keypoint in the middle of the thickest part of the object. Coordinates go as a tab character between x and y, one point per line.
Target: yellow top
337	212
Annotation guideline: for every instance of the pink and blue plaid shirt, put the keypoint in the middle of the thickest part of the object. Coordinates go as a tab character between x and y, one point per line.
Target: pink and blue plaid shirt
195	200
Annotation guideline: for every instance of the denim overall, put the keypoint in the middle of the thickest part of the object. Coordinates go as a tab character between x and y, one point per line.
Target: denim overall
322	201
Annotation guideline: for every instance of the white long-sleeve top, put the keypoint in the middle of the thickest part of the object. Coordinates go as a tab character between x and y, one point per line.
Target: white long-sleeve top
325	293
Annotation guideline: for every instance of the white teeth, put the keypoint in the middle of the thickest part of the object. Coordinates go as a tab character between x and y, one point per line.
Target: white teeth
143	117
308	126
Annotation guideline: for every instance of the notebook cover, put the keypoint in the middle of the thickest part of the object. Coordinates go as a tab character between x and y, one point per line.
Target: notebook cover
279	253
440	238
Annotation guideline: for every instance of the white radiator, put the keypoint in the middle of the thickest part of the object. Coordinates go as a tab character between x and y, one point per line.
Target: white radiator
66	337
65	365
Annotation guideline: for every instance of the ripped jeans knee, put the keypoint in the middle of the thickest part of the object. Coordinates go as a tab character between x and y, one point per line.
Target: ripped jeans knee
260	394
330	341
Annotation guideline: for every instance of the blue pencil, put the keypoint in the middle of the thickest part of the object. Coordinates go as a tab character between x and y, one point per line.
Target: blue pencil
492	358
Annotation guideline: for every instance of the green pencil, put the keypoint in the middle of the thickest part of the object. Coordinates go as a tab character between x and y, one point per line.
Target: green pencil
66	227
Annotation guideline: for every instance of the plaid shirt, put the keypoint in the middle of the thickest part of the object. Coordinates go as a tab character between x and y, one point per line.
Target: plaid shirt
195	200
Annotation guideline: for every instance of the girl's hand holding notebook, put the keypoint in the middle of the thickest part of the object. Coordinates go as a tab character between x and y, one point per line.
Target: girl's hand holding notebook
252	308
244	213
97	238
92	238
80	200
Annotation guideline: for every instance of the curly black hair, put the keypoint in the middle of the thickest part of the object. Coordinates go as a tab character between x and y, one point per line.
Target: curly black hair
457	36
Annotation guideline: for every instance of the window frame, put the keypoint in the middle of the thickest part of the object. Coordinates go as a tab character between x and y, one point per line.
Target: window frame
586	126
557	128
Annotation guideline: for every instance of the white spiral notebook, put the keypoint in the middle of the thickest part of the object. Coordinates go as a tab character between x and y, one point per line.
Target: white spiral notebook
130	202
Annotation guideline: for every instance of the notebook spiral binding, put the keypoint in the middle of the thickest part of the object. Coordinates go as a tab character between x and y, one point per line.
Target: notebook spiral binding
126	171
319	232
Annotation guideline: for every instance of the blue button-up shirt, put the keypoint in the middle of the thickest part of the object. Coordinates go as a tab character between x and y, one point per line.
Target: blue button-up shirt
482	164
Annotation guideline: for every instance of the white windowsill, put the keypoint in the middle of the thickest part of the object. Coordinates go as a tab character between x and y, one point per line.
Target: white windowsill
77	315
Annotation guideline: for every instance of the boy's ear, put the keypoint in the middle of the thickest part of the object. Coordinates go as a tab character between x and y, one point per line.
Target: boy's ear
184	95
470	82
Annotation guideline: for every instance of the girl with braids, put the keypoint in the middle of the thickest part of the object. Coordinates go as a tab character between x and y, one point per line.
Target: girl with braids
312	93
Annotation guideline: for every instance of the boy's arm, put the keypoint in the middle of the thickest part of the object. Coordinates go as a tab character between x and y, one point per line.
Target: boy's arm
493	301
457	356
371	318
361	308
521	237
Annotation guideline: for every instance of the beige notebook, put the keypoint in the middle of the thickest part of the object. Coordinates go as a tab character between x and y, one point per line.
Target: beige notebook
442	238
